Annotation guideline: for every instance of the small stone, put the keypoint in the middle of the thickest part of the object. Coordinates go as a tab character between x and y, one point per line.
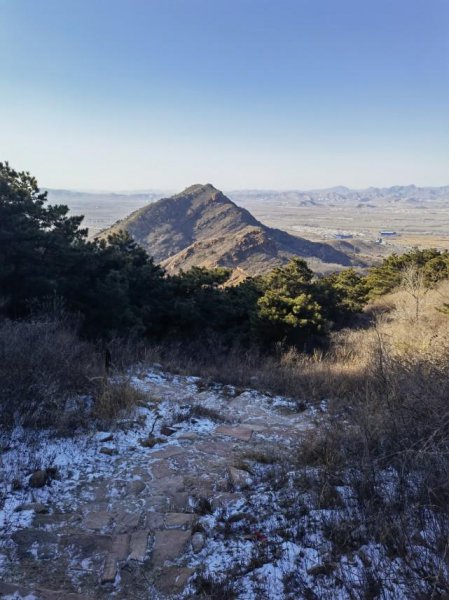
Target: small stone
240	479
108	451
167	430
107	438
198	542
151	441
38	479
136	486
36	506
189	435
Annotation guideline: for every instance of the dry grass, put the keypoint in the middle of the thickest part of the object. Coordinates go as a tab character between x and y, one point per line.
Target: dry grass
49	378
43	367
387	436
115	399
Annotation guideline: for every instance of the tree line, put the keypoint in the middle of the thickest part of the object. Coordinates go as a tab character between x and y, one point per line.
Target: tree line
116	288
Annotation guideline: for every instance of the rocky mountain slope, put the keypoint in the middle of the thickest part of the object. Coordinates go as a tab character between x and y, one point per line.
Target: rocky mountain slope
202	227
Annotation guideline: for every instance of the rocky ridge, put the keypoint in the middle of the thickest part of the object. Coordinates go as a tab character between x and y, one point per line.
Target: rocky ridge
202	227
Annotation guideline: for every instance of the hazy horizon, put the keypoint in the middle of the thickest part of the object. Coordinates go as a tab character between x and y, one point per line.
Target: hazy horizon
247	94
254	189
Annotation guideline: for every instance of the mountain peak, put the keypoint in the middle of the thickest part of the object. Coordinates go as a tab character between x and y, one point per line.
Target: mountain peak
201	226
199	188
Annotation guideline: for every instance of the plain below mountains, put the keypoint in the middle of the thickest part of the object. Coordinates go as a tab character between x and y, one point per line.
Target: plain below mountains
202	227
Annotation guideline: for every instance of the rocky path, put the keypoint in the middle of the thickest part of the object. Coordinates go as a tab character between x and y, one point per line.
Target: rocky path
118	513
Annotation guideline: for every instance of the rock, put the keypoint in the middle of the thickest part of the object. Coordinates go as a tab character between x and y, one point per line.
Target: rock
178	520
136	486
240	479
36	506
168	545
126	521
241	433
150	441
35	543
155	520
138	545
189	436
165	430
224	499
107	438
109	570
119	551
108	451
97	520
173	580
85	545
38	479
198	542
168	452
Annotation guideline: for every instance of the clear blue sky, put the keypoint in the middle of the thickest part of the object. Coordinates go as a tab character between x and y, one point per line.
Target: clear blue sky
129	94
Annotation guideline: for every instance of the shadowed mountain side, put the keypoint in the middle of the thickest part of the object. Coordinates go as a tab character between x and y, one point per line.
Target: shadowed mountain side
202	227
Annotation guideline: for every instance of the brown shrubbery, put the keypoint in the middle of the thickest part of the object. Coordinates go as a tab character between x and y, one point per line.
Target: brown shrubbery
51	378
43	365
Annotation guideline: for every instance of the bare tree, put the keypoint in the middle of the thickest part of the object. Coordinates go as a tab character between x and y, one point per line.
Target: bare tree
414	285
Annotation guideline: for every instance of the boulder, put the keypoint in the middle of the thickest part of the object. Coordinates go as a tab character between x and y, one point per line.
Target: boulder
38	479
240	479
198	541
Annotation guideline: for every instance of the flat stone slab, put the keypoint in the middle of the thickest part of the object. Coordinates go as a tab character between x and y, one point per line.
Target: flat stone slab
168	485
86	545
214	448
256	427
155	520
178	520
135	487
173	580
168	546
241	433
126	521
119	551
188	435
12	590
167	452
138	545
97	520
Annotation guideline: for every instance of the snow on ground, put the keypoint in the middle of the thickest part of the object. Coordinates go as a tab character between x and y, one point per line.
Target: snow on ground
275	539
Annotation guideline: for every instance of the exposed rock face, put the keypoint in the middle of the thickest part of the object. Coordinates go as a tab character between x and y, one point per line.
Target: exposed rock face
202	227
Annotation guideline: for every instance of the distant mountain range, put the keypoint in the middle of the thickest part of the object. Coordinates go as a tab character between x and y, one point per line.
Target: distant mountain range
410	194
202	227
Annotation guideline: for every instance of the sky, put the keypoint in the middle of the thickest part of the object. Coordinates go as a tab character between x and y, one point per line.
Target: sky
267	94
